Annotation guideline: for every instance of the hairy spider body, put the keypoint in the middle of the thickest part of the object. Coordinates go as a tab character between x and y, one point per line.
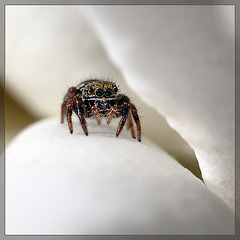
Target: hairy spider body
99	98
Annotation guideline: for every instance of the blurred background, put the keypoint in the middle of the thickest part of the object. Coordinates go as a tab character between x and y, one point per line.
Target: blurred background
16	117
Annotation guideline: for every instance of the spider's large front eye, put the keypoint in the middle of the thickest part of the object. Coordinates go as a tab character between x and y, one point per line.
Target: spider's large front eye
115	89
108	92
99	92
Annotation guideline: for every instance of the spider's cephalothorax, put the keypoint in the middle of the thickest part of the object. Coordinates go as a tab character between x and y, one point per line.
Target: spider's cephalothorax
100	98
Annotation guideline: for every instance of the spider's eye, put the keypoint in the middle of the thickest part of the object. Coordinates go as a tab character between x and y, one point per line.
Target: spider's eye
115	89
91	90
99	92
108	92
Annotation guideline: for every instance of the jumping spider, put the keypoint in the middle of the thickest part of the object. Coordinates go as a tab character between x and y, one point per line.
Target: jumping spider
100	99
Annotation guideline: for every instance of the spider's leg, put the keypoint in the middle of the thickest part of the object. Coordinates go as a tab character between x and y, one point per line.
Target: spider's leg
96	113
63	110
130	125
69	119
125	111
137	121
111	113
78	105
68	105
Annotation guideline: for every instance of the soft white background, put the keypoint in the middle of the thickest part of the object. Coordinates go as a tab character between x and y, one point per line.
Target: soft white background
178	60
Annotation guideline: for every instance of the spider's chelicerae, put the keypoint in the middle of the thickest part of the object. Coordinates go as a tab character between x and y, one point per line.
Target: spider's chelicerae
100	99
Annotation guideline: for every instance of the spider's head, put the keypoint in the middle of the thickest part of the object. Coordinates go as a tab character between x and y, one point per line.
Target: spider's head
97	89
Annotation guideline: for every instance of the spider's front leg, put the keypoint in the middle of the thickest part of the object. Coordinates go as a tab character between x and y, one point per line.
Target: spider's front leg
130	125
79	110
73	102
63	110
67	106
129	120
122	102
137	121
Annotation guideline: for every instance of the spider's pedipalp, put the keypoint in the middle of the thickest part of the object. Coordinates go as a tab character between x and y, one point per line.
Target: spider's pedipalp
111	113
97	114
